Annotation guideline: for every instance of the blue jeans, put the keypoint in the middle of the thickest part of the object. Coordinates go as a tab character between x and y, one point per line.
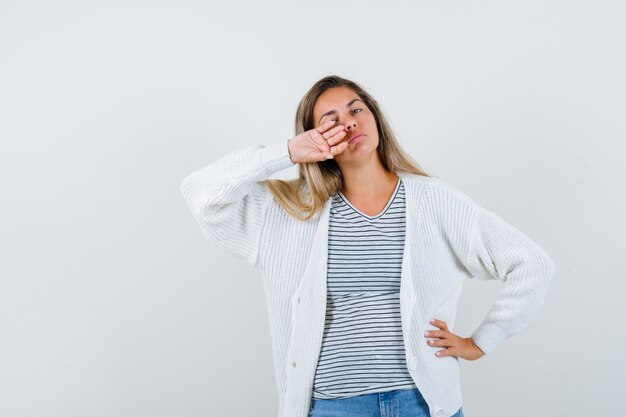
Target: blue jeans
397	403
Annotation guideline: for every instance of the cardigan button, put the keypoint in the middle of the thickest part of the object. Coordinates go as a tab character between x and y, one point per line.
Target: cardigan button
438	412
298	300
293	364
412	362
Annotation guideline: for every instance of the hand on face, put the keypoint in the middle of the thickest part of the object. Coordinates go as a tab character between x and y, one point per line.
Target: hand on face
318	144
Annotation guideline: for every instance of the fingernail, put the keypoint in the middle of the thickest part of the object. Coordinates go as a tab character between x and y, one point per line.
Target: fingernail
329	157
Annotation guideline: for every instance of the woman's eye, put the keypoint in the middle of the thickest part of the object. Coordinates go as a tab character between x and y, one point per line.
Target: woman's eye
360	110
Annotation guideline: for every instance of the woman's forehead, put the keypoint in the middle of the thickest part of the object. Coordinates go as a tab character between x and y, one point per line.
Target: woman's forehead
337	100
335	96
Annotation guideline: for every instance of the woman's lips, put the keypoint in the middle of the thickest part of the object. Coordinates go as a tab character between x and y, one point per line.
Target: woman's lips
357	137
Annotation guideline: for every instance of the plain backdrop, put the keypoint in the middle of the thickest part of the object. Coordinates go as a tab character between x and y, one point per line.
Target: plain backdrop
113	304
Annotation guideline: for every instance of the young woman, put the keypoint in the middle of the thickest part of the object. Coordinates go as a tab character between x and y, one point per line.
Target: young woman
363	259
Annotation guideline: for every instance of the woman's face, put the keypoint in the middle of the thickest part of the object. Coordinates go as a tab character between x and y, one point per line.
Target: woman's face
345	107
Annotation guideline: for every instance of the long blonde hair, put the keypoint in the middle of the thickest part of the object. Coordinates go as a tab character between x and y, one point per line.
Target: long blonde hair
318	181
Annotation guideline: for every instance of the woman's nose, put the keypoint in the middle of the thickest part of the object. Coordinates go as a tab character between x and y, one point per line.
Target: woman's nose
350	124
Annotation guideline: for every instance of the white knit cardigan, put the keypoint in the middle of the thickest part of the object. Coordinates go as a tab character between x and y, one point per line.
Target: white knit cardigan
449	238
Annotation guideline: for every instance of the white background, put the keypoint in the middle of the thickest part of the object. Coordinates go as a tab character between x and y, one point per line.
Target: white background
113	304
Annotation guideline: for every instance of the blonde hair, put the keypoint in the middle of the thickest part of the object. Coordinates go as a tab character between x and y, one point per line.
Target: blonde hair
318	181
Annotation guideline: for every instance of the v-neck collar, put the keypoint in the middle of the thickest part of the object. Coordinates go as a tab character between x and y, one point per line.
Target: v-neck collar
384	210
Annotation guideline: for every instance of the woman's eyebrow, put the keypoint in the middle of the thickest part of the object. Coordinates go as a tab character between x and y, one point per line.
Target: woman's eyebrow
335	111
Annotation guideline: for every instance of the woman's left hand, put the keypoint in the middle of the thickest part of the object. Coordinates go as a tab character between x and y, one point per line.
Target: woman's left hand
462	347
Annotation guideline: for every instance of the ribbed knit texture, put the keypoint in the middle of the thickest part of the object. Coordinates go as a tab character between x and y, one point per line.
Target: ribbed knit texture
449	238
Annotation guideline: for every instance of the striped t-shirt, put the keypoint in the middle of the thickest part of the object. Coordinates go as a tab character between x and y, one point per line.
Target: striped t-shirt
362	349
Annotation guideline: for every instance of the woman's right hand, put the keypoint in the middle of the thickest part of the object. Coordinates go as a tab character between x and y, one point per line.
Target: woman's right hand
312	146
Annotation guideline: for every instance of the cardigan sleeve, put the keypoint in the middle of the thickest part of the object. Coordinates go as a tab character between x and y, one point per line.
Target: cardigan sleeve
228	199
497	250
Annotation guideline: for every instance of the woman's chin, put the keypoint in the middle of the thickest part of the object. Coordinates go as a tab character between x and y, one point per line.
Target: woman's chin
357	149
